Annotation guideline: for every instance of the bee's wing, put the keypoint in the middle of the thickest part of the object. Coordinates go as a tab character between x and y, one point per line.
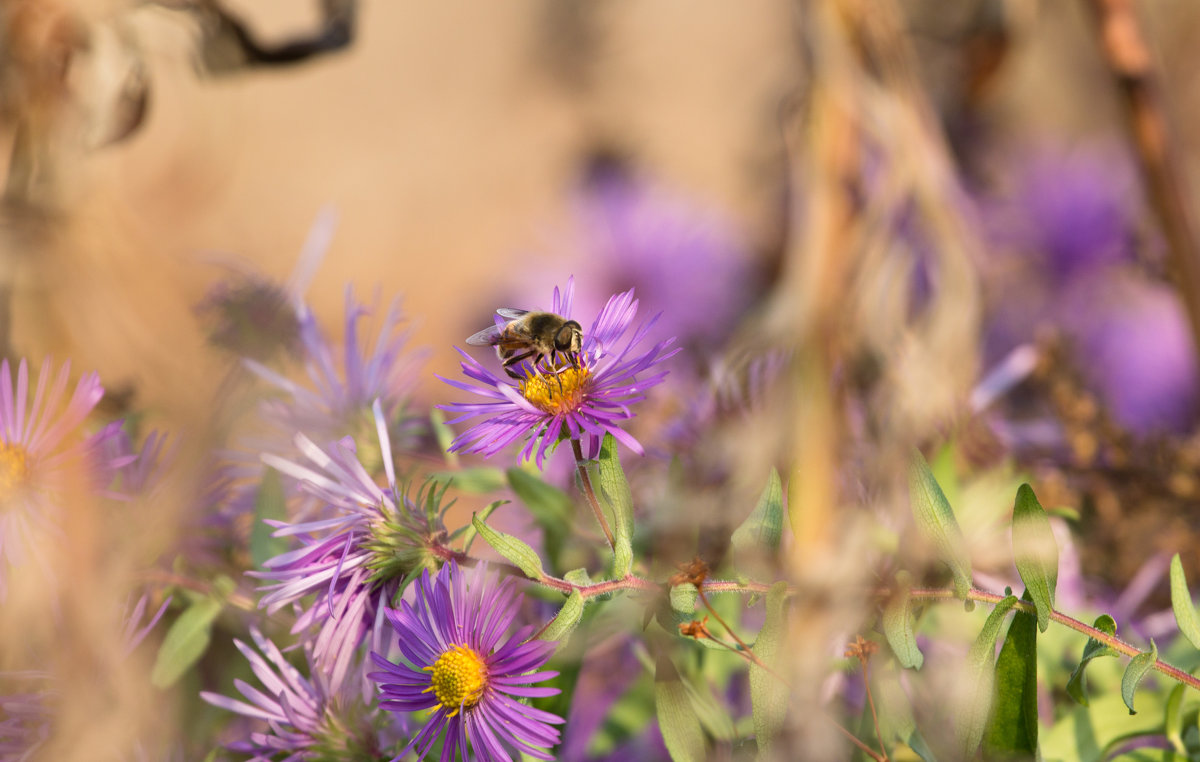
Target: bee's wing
488	337
509	313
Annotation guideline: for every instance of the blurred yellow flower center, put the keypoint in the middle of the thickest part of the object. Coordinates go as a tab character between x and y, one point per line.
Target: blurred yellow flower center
557	392
14	469
457	679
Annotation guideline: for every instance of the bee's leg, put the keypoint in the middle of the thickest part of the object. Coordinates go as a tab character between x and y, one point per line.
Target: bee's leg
514	360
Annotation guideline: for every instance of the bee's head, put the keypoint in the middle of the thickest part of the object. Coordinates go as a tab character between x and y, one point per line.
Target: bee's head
569	338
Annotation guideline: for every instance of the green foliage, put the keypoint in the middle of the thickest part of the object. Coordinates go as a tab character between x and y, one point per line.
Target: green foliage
614	491
185	642
515	550
1137	669
768	693
979	677
677	718
1012	730
1181	603
552	509
567	619
763	528
1077	685
1035	553
898	625
480	480
936	521
467	532
269	503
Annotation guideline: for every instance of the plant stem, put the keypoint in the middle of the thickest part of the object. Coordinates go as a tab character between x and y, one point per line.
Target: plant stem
1111	641
585	479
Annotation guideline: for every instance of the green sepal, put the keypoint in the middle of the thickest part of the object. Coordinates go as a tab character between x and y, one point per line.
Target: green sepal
269	503
1035	553
185	642
763	528
1181	603
1012	730
677	719
898	625
936	521
768	694
980	675
1077	684
512	548
1134	672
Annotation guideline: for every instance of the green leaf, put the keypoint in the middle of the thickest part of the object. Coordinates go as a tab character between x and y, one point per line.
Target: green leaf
898	625
515	550
676	718
1035	552
622	557
568	617
479	480
467	531
444	436
1012	730
578	577
1077	685
1173	718
764	526
552	509
1181	603
980	675
683	598
1137	669
269	503
768	694
614	489
185	642
936	521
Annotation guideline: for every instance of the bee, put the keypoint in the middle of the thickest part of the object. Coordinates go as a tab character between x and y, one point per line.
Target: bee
533	336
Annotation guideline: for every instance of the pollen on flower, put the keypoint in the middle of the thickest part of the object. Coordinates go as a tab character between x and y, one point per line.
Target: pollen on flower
458	678
14	468
559	391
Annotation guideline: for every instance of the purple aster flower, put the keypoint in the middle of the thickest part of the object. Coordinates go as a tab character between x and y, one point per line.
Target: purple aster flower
306	720
459	662
580	402
354	560
38	442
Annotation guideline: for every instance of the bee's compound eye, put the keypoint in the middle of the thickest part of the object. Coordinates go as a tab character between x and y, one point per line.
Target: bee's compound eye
567	338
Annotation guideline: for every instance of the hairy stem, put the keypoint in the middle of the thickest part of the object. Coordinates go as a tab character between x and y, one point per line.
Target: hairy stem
585	480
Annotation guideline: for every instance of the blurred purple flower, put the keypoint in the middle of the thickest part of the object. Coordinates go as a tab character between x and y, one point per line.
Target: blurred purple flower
38	442
352	561
459	662
25	717
582	403
306	720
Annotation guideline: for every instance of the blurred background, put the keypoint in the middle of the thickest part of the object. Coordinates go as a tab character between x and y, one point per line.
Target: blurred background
932	222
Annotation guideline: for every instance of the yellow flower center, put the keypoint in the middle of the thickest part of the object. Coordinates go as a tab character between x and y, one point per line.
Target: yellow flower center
458	678
556	392
14	469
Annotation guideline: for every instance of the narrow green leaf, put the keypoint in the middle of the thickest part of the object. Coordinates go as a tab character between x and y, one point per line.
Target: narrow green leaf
479	480
768	694
269	503
615	490
764	526
512	548
1173	718
578	577
1012	730
936	521
980	675
683	598
1077	685
898	626
443	435
467	531
676	718
1035	552
565	622
622	557
1181	602
1135	671
185	642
